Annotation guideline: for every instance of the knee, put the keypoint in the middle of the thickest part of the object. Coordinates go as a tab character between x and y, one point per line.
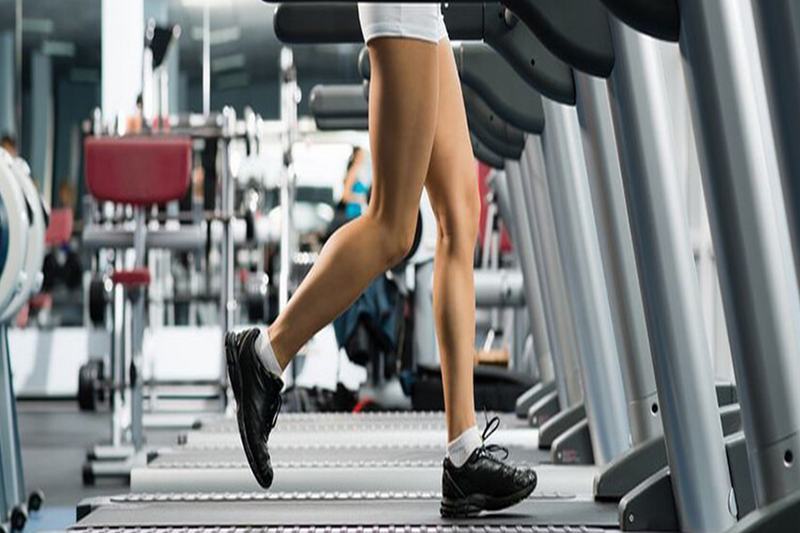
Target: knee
399	245
458	226
397	238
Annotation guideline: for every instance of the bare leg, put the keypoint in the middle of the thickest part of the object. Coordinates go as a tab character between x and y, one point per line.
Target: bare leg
452	185
403	109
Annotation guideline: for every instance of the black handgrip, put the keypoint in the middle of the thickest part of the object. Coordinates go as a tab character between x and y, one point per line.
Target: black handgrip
576	31
317	23
526	54
483	154
657	18
503	90
500	137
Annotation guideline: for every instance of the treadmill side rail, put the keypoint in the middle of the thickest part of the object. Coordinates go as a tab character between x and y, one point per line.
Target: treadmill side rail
559	424
625	472
650	506
574	446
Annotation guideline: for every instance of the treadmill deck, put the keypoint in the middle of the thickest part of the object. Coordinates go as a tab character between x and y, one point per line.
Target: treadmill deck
354	509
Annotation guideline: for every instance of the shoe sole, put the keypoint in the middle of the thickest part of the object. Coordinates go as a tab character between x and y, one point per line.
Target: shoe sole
475	504
235	379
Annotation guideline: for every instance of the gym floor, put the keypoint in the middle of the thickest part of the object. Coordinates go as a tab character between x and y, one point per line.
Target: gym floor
55	436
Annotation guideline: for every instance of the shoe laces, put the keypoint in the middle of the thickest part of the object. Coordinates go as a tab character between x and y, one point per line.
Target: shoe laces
489	450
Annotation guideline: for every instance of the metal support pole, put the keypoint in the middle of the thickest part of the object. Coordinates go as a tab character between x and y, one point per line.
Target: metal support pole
624	295
537	193
750	232
548	368
424	340
137	297
13	482
501	287
577	234
522	323
289	101
117	396
567	397
227	194
681	361
523	360
778	33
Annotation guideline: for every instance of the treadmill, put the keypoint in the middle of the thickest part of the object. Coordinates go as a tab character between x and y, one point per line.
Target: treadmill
669	500
400	453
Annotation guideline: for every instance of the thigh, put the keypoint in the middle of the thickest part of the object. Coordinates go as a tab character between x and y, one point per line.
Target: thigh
402	118
452	182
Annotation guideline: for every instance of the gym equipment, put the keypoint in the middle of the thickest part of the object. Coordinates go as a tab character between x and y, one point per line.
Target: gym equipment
622	433
343	422
488	21
355	453
155	81
161	174
344	107
696	490
777	25
214	229
91	384
338	102
656	196
485	154
751	235
384	434
22	230
316	510
35	250
639	138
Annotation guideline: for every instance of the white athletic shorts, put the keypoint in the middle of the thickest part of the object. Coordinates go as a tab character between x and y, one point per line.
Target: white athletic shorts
412	21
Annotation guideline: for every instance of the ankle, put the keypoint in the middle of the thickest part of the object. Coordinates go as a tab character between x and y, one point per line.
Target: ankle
457	425
266	353
461	448
277	341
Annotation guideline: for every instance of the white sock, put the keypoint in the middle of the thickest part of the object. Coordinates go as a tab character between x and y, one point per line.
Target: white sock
267	354
459	450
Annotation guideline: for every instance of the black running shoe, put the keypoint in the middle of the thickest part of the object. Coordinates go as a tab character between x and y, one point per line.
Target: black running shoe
258	400
485	482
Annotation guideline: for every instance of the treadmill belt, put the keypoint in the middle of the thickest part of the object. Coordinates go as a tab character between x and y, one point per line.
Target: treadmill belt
184	457
331	509
287	438
412	469
335	477
400	421
449	528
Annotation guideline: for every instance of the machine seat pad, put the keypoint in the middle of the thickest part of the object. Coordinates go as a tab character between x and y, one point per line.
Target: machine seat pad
137	277
138	170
